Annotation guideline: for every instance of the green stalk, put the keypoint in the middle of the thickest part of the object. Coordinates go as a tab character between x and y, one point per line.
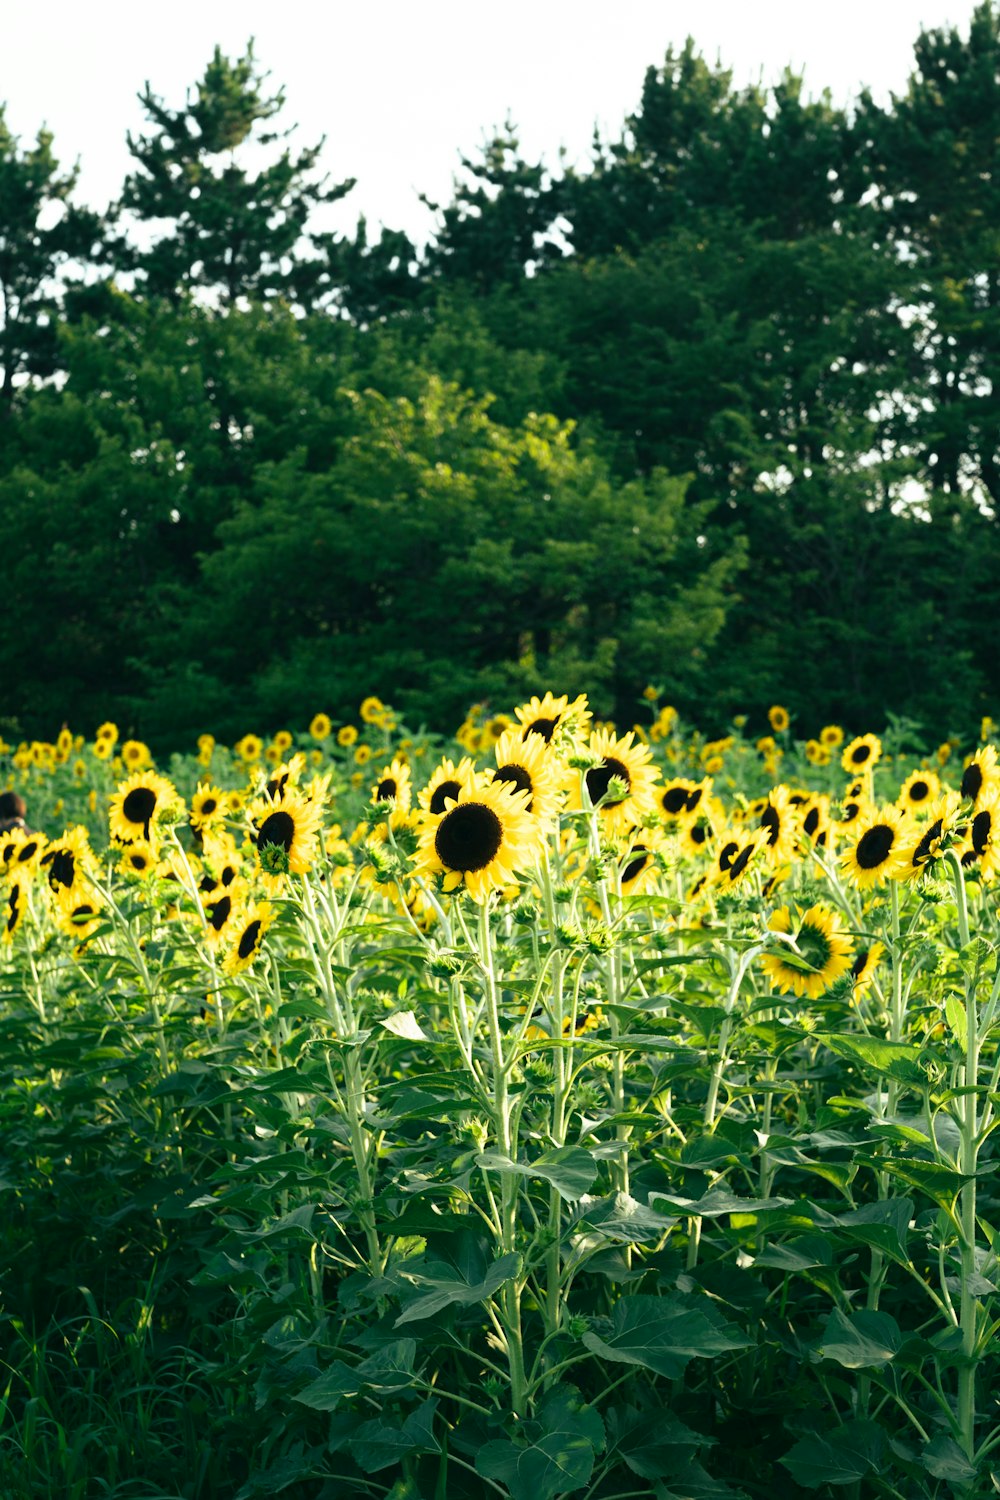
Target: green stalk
510	1293
968	1315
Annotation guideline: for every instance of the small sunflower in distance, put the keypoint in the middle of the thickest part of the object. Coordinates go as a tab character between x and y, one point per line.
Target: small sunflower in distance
247	930
208	807
881	839
919	792
138	803
482	841
821	953
861	754
778	718
320	728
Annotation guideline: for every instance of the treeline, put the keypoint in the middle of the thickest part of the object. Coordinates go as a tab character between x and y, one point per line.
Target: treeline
719	412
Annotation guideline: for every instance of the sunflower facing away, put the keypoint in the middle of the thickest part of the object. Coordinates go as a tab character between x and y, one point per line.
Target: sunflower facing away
822	951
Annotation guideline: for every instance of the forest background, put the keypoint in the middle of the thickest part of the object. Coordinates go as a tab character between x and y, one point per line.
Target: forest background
715	412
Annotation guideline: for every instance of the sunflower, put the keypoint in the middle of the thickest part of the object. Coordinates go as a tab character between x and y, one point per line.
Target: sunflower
698	832
672	797
206	749
247	928
138	860
77	913
981	846
734	856
249	748
640	869
284	832
222	860
137	804
67	860
371	710
779	825
778	718
135	755
623	761
445	784
526	763
284	775
831	735
107	731
208	807
394	786
862	753
551	717
919	792
483	840
347	736
863	968
20	851
15	904
221	907
879	851
320	727
814	820
981	774
820	955
103	749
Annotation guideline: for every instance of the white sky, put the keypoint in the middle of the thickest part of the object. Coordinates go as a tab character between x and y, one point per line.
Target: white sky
400	88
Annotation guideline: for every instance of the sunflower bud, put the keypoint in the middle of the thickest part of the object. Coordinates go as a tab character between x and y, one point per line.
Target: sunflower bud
273	859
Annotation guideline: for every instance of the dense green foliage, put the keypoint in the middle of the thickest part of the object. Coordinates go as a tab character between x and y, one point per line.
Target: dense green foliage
713	410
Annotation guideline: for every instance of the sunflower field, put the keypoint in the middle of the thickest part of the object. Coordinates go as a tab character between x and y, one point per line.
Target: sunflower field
552	1110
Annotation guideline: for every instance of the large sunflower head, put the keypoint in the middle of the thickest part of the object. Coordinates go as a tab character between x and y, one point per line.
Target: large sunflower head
20	852
736	854
981	844
817	955
482	841
138	804
930	838
617	760
284	831
526	763
880	841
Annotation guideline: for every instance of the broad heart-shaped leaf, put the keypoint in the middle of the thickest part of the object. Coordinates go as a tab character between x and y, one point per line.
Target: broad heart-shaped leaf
378	1444
689	1481
862	1341
842	1456
388	1370
404	1023
557	1457
943	1458
622	1219
449	1283
891	1059
570	1169
662	1333
652	1443
719	1201
885	1225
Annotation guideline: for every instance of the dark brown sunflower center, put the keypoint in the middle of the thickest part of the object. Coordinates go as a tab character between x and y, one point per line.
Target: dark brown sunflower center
726	855
387	790
741	861
218	912
982	827
860	754
769	819
62	867
228	875
674	800
8	853
972	781
468	837
860	963
519	779
694	798
919	790
699	833
874	846
811	821
277	828
12	907
276	785
138	861
545	727
925	848
445	791
208	807
636	865
139	807
250	938
599	778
